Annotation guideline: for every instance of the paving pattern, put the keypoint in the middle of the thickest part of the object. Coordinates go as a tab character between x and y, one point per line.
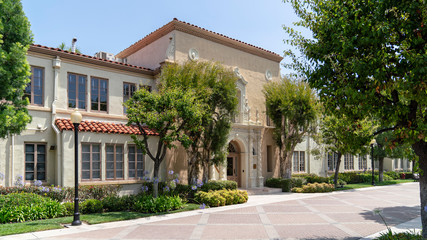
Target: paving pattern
338	215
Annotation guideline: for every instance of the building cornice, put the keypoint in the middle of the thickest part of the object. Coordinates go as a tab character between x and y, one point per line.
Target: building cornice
89	59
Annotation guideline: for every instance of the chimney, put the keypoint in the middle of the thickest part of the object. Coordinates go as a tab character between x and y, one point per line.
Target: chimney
73	45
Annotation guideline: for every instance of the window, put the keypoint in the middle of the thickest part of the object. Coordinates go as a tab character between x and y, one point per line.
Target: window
332	161
146	87
91	161
298	161
363	162
76	91
114	161
136	162
98	94
269	158
348	162
35	161
34	89
128	91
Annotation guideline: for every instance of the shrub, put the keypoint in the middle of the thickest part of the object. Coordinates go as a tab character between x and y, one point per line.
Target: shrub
274	182
92	192
149	204
298	181
116	203
221	197
20	207
69	208
56	193
286	185
91	206
392	175
314	188
219	185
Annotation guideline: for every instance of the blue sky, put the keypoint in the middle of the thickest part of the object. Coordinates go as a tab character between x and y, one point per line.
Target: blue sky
113	25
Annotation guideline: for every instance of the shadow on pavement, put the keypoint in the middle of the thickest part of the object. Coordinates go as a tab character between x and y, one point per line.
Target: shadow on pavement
393	215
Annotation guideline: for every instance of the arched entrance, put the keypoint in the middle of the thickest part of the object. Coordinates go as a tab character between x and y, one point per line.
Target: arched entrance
233	163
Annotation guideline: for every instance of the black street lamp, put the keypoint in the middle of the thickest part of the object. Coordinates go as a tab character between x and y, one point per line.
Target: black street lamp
373	143
76	118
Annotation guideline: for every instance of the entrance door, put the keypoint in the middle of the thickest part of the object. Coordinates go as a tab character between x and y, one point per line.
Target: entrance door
232	168
233	164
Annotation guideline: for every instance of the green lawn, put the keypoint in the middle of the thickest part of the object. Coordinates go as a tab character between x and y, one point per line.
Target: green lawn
365	185
55	223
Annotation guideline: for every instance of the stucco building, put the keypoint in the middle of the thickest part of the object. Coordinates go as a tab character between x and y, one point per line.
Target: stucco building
62	81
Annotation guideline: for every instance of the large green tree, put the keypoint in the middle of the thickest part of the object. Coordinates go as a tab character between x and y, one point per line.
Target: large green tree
341	135
385	148
293	108
170	113
368	58
15	39
215	86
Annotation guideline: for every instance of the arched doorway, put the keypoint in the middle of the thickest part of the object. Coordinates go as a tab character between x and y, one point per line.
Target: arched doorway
233	163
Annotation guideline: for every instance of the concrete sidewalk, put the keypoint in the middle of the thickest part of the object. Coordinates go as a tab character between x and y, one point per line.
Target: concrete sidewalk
336	215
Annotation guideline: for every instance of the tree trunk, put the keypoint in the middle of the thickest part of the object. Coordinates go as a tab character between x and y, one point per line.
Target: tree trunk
420	149
381	169
193	169
288	165
156	178
205	177
337	169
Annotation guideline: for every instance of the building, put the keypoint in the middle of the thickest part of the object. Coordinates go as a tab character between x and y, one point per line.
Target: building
97	86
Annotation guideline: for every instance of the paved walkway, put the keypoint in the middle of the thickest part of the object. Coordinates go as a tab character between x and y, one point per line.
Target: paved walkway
337	215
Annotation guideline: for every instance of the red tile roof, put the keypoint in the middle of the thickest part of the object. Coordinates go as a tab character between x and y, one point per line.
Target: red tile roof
36	47
102	127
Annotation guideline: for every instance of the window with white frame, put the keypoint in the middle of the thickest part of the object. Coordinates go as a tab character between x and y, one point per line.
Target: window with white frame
298	161
332	161
348	162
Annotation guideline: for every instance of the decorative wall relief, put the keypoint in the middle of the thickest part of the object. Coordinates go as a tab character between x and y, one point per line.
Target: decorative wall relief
193	54
170	52
268	75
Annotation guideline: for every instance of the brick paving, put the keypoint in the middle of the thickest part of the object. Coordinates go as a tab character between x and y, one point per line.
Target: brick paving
337	215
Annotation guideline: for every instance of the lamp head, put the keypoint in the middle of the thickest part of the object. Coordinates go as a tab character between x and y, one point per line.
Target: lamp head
373	142
76	116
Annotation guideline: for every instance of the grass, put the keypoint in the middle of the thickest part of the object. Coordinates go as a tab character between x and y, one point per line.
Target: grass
57	223
365	185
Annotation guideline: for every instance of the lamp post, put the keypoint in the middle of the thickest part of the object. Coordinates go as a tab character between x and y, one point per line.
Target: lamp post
76	118
373	143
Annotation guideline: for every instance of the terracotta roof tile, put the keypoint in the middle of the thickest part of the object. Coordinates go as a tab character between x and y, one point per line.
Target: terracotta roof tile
102	127
90	57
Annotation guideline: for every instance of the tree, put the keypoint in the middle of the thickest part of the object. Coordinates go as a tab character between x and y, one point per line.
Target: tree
214	86
15	39
383	149
63	46
367	58
293	108
341	135
169	113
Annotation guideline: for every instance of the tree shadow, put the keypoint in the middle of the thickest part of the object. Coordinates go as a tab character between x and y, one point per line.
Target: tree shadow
393	215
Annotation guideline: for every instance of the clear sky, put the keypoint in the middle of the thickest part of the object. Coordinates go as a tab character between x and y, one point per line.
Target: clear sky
113	25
